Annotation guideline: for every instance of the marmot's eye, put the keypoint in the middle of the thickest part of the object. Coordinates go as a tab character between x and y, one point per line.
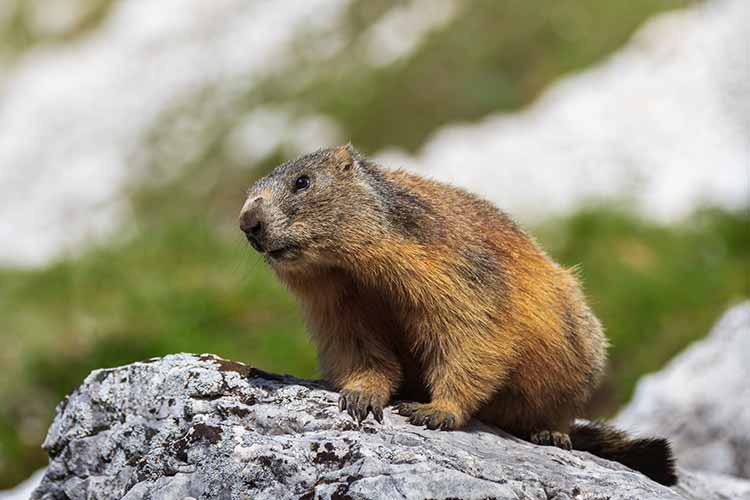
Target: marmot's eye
301	183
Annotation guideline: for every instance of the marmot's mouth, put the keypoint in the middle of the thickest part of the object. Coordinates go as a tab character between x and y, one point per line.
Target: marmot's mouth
282	253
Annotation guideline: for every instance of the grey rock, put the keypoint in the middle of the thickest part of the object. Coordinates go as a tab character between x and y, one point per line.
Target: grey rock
708	485
188	426
701	400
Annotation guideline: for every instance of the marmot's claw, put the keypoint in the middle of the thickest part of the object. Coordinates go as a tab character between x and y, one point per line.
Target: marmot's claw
377	413
425	414
448	424
406	408
363	407
359	403
552	438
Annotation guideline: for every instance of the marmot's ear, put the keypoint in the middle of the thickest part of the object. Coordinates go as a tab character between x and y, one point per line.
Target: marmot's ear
348	157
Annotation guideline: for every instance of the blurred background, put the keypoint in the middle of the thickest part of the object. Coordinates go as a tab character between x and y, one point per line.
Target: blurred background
618	132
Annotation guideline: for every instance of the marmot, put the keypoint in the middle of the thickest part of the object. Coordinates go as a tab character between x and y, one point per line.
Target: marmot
419	291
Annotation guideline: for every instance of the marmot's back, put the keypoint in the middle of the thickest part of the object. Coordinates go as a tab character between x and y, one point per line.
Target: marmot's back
529	298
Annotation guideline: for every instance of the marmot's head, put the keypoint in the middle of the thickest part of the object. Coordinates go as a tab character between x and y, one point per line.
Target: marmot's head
307	210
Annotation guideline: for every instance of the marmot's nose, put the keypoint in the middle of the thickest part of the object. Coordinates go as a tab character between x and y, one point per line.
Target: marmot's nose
251	222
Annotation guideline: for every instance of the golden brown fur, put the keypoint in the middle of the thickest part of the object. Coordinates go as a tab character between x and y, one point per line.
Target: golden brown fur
420	291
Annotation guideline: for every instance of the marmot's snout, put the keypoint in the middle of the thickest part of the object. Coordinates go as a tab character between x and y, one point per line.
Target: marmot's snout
263	229
252	222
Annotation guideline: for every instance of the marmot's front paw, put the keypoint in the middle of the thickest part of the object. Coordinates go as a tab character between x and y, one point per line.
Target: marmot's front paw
360	403
428	415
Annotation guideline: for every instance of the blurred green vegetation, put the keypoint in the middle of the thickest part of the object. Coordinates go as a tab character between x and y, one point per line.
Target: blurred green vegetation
22	23
180	277
493	56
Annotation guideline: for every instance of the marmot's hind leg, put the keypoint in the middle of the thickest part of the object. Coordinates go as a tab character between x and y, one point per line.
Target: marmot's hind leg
551	438
529	419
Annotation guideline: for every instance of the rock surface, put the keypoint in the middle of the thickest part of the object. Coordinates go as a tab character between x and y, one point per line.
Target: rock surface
701	400
188	426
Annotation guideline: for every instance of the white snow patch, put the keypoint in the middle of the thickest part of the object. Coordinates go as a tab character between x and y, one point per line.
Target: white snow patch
403	27
266	129
664	122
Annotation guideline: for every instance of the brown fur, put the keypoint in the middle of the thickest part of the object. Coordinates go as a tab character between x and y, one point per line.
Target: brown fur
417	290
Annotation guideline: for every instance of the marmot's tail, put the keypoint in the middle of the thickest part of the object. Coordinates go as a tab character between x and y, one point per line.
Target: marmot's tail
650	456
